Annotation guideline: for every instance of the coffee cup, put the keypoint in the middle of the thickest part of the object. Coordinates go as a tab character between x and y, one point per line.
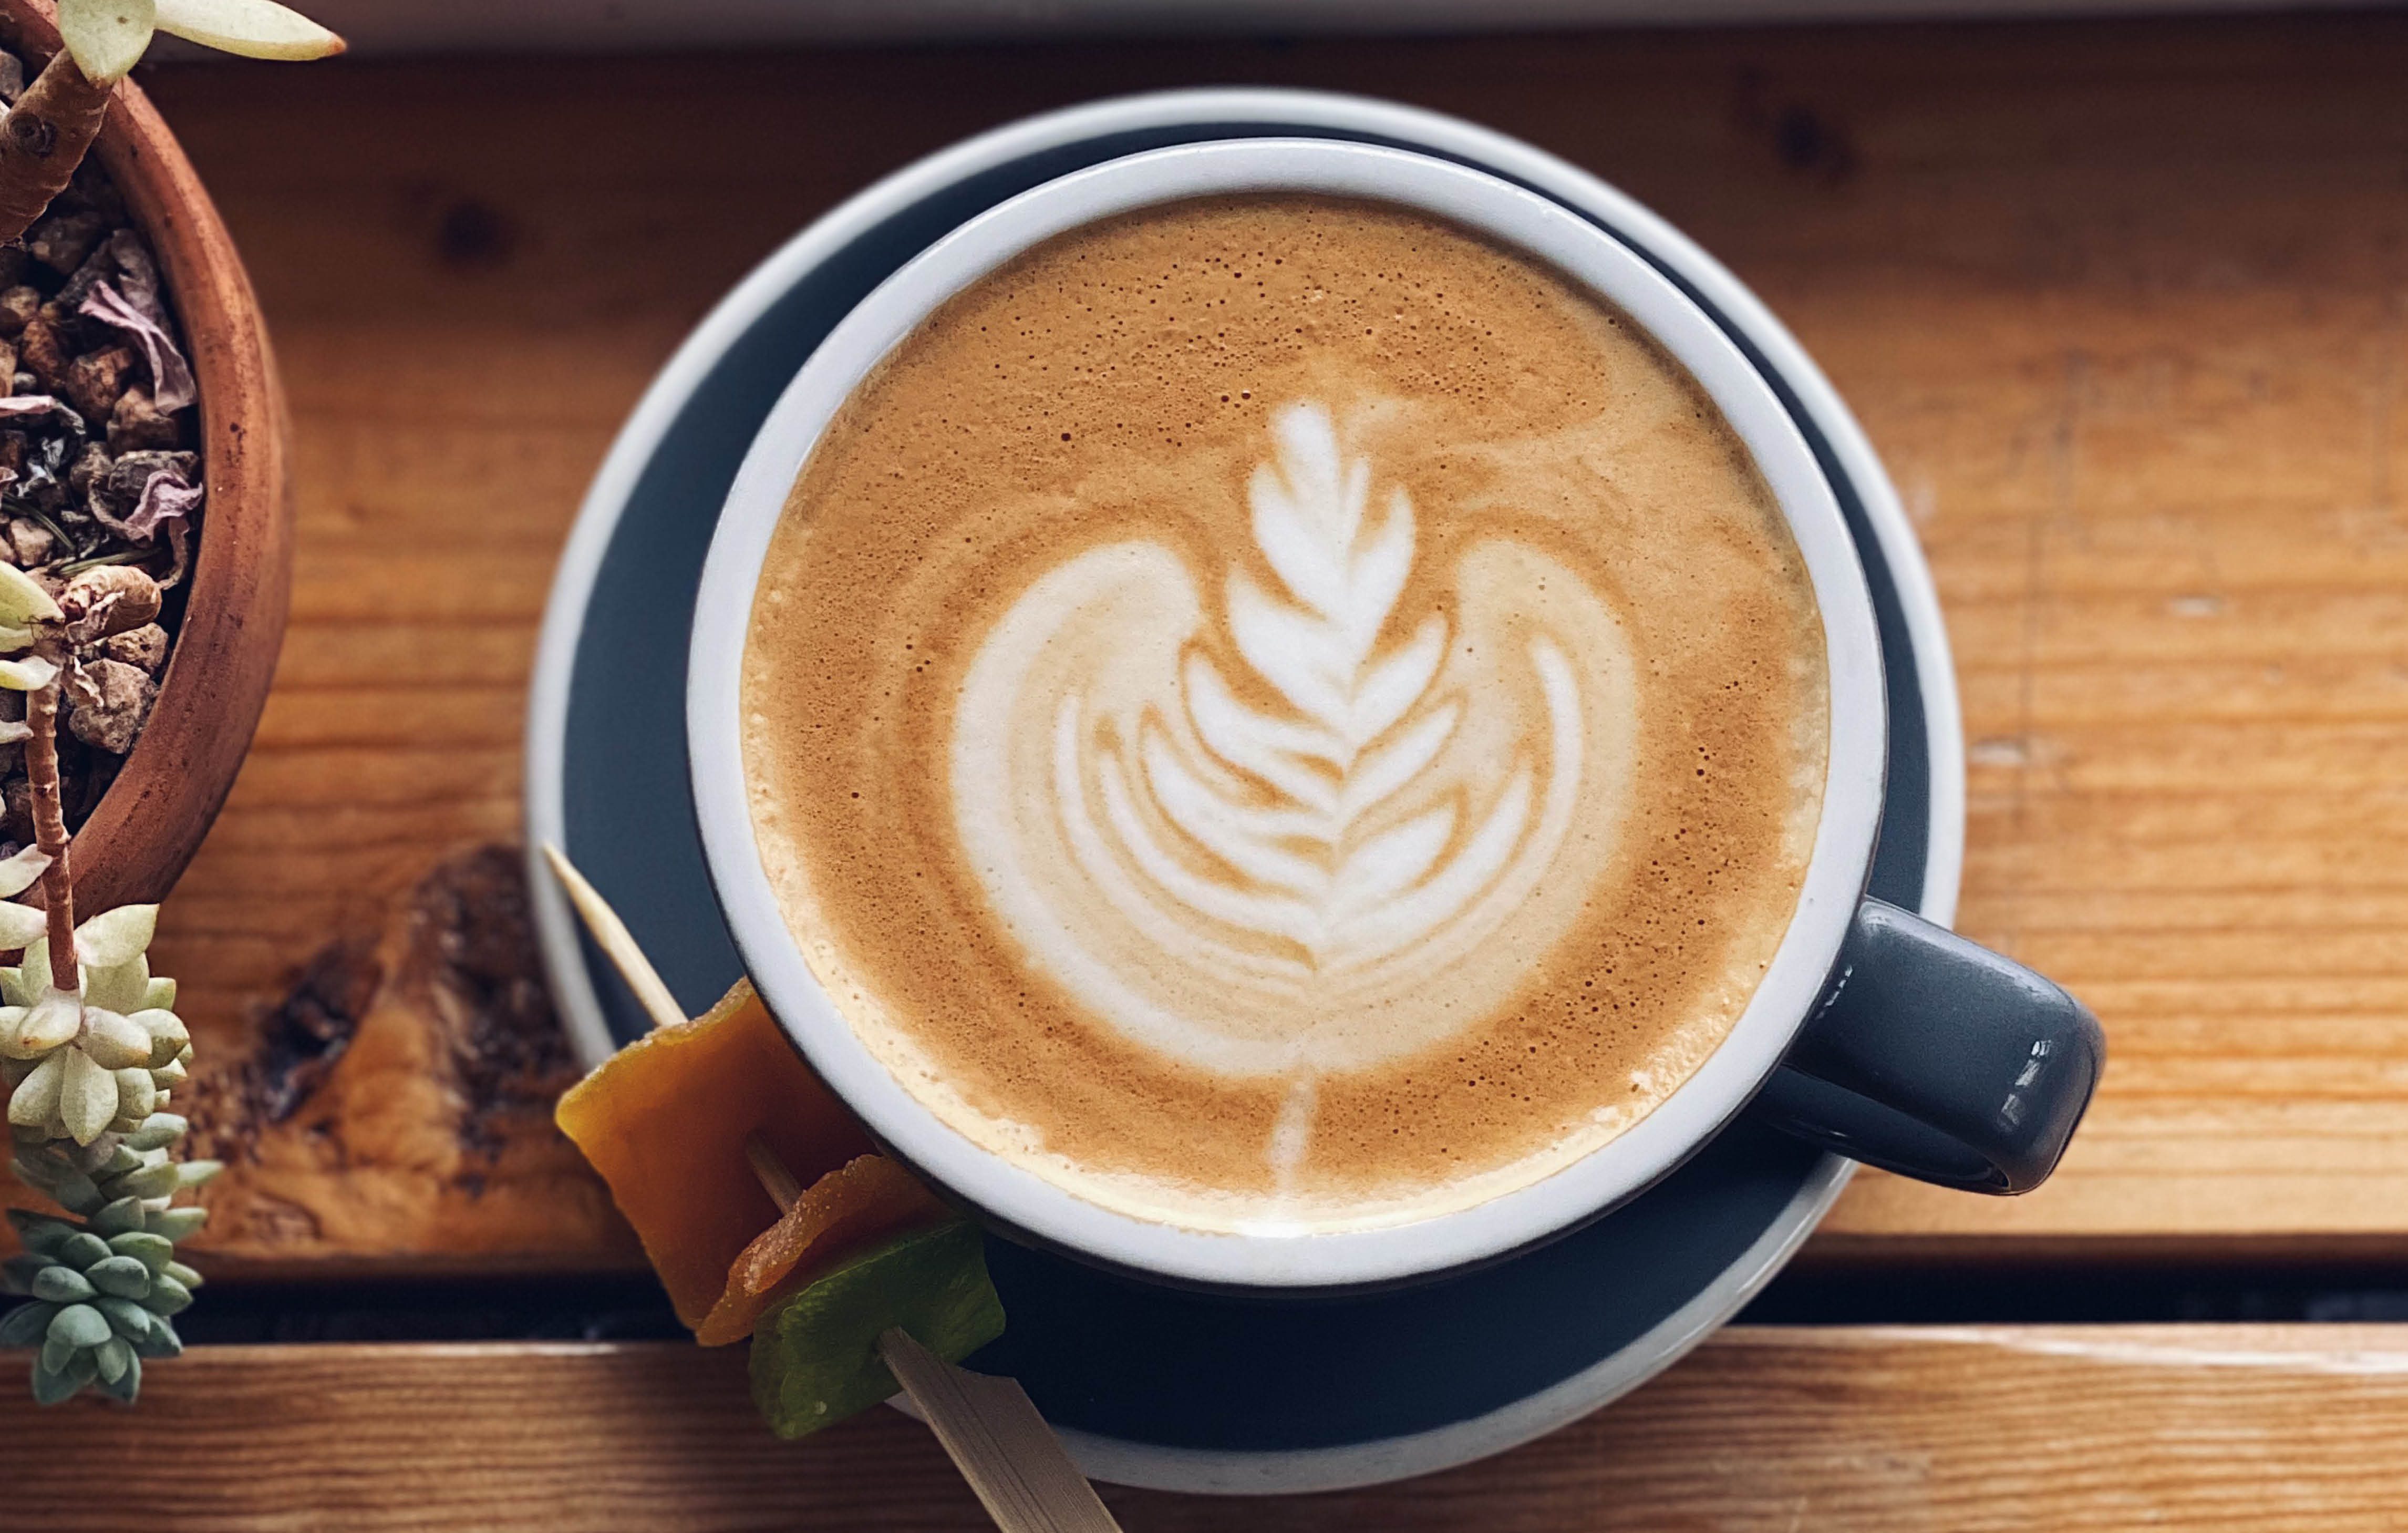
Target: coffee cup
1866	1029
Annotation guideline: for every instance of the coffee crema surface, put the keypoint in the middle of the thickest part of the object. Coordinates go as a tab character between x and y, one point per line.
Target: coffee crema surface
1277	713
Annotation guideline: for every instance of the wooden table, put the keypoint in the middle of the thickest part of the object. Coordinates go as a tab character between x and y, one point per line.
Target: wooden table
2124	305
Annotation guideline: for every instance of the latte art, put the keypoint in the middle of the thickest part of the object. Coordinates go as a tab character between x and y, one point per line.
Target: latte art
1245	862
1275	714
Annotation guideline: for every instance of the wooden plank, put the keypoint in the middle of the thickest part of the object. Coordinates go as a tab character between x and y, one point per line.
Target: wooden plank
1889	1430
2121	303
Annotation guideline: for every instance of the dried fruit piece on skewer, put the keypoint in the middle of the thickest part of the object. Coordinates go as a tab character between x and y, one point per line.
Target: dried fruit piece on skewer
682	1125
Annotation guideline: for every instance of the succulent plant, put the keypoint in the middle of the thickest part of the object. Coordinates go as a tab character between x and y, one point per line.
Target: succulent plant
105	1055
100	1286
100	1295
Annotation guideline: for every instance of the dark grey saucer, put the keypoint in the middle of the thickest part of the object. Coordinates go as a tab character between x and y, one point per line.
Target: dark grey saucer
1155	1386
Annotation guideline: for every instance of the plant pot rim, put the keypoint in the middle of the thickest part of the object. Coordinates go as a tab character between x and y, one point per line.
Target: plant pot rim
147	824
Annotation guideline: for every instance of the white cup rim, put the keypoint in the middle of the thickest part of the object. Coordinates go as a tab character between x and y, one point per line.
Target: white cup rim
1020	1199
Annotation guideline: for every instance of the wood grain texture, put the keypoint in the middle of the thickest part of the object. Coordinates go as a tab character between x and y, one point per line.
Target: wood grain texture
2124	305
2199	1428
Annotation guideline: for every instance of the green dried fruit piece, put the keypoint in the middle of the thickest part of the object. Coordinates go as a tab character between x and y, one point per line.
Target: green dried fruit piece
815	1357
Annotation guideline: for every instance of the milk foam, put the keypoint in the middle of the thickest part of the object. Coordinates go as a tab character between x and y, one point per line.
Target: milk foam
1339	866
1274	713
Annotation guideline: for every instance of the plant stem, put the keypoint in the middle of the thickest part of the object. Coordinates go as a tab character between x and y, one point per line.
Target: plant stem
50	820
43	140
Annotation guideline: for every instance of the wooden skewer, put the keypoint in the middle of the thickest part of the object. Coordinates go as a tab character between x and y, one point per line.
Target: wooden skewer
989	1427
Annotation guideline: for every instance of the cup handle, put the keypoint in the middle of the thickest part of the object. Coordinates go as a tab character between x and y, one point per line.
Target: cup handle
1934	1057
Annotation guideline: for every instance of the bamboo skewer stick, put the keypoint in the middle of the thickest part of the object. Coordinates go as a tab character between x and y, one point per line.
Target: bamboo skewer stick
988	1426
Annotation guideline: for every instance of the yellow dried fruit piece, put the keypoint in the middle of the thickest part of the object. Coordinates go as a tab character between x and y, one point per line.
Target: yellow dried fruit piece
665	1120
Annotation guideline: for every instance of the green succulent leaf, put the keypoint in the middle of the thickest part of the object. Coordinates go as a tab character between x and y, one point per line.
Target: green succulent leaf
82	1249
112	1358
129	1387
257	29
53	1022
20	872
79	1325
20	925
86	1096
26	1324
57	1284
31	673
118	936
121	987
159	994
40	1232
36	1096
23	598
162	1342
167	1034
150	1181
127	1318
14	987
176	1223
167	1297
136	1094
125	1277
114	1220
114	1040
16	1274
154	1251
106	37
53	1387
158	1131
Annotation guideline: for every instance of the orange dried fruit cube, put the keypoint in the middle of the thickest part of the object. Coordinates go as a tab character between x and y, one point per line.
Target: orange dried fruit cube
665	1120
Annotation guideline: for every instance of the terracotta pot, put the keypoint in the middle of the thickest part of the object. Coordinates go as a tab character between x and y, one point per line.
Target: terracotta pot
151	819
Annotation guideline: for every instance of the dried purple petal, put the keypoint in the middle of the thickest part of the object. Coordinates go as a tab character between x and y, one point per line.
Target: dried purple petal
171	375
19	405
167	496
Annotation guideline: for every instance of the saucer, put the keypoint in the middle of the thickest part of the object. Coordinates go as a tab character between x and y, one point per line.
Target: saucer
1152	1386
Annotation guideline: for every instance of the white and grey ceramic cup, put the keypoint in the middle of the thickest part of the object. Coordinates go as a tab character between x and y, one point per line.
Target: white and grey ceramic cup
1872	1032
